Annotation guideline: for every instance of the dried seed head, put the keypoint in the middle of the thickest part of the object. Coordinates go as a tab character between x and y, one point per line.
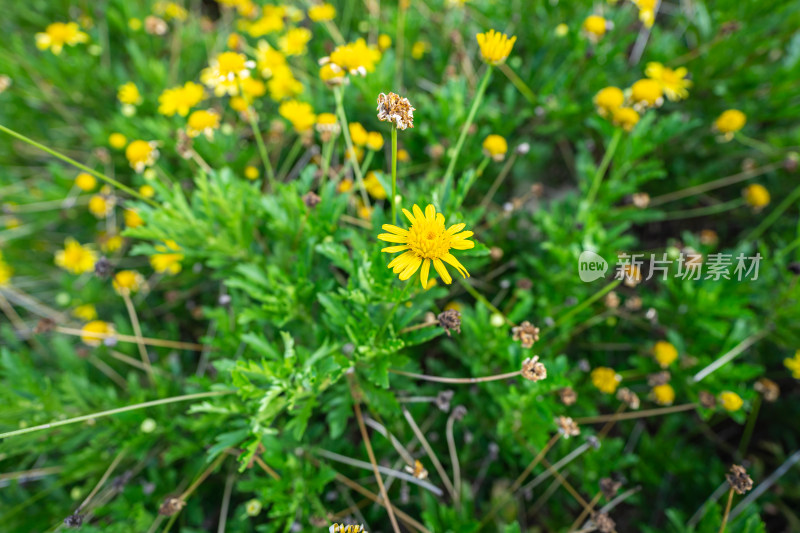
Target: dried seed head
311	199
155	26
659	378
533	370
459	412
628	397
609	487
611	300
393	108
74	520
707	399
604	523
768	388
103	268
526	333
418	471
568	395
443	400
450	319
640	199
171	506
739	480
567	427
44	325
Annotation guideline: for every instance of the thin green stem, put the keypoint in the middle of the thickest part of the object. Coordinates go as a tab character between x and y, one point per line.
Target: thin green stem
367	162
482	299
727	511
476	102
751	424
327	153
290	157
702	211
262	148
518	83
498	180
586	303
399	47
402	299
338	94
110	412
601	170
393	198
110	181
755	144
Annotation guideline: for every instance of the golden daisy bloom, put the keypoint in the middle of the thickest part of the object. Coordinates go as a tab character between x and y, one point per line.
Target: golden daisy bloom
354	58
85	181
374	187
646	93
665	353
730	401
127	282
495	46
673	82
606	379
204	122
168	259
384	42
756	195
647	11
595	27
608	99
101	205
625	117
129	94
180	99
251	173
225	72
321	12
76	258
141	154
374	141
58	34
495	146
793	364
85	312
300	114
730	121
132	218
425	242
358	134
295	41
117	141
147	191
95	331
663	394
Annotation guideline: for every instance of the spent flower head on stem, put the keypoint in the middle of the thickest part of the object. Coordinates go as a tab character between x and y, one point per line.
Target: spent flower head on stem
395	109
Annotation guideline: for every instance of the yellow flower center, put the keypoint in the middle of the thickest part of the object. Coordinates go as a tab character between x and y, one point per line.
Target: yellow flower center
138	151
230	63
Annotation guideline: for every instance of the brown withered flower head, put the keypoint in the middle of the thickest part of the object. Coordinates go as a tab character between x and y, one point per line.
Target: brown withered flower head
628	397
533	370
450	319
74	520
568	395
609	487
395	109
604	523
311	199
567	427
659	378
526	333
768	389
171	506
706	399
739	480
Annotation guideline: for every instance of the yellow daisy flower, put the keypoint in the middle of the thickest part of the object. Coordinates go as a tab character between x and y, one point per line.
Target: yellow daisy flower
117	141
58	34
756	195
495	146
300	114
180	99
85	181
129	94
127	282
141	154
605	379
374	141
625	117
321	12
354	58
85	312
730	121
76	258
251	173
673	82
663	394
495	46
374	187
95	331
204	122
646	93
132	218
168	259
665	353
793	364
425	242
730	401
225	72
295	41
608	99
595	27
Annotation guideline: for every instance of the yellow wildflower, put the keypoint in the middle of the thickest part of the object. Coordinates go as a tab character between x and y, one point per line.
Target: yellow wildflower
132	218
730	401
117	141
356	58
271	21
253	88
327	126
625	117
561	30
663	394
793	364
180	99
418	49
268	59
673	82
756	195
300	114
111	243
374	141
127	282
346	185
321	12
647	11
495	146
168	259
101	205
141	154
135	24
204	122
86	312
283	85
403	155
5	272
608	99
358	134
646	93
225	72
426	241
170	10
85	181
76	258
384	42
495	46
129	94
147	191
331	74
605	379
730	121
95	331
57	34
374	187
595	27
665	353
295	41
251	172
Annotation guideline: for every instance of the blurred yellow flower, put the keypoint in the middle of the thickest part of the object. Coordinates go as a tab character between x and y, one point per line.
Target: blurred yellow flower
135	24
374	141
730	121
358	134
793	364
374	187
384	42
168	259
251	172
111	243
180	99
403	155
321	12
300	114
756	195
202	121
625	117
665	353
132	218
5	272
356	58
101	205
95	331
127	282
117	141
225	72
647	11
141	154
608	99
283	85
76	258
673	82
85	181
561	30
295	41
268	59
595	27
129	94
730	401
418	49
663	394
253	88
426	241
346	185
646	93
271	21
605	379
85	312
147	191
58	34
495	46
170	10
331	74
495	146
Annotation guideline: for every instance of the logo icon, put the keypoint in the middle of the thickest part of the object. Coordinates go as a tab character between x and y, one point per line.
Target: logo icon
591	266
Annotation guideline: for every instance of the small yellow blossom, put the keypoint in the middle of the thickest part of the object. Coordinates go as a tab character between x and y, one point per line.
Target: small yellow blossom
321	12
674	82
756	195
168	259
268	59
561	30
793	364
730	121
384	42
608	99
101	205
170	10
5	272
358	134
141	154
253	507
117	141
85	181
374	187
605	379
665	353
354	58
418	49
135	24
646	93
295	41
283	85
127	282
271	21
495	146
95	331
76	258
358	151
495	46
180	99
625	117
300	114
147	191
374	141
58	34
132	218
346	185
110	243
331	74
595	27
327	126
85	312
403	155
426	241
129	94
663	394
730	401
251	172
204	122
647	11
225	72
253	88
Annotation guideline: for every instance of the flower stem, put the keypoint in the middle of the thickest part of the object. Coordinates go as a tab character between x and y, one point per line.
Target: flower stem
110	181
338	93
262	148
448	175
482	299
727	511
287	163
439	379
601	170
327	152
394	174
